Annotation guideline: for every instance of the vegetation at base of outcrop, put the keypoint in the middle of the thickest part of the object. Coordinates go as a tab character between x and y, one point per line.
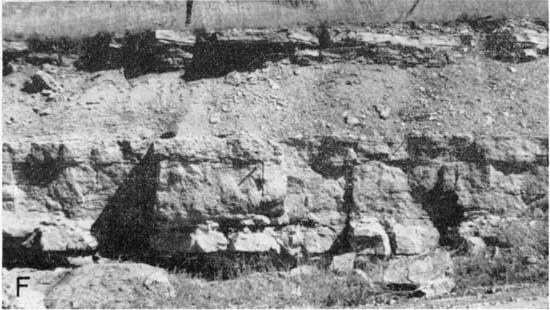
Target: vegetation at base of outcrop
510	269
272	290
223	266
525	262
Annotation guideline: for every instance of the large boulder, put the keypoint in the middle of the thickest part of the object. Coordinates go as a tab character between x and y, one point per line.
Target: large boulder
414	237
116	285
430	274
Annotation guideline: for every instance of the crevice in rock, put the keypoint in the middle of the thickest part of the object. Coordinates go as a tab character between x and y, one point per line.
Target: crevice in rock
124	226
42	167
445	212
496	241
400	287
330	159
391	236
507	167
37	173
343	242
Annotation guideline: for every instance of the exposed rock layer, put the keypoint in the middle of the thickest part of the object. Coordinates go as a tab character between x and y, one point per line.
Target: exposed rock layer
209	194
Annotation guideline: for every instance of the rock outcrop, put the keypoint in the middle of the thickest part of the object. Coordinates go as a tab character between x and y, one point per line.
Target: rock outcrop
53	192
216	53
303	197
513	42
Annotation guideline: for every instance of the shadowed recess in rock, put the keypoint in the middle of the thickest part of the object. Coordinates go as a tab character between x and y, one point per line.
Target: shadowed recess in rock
331	158
16	256
222	265
214	59
125	224
445	212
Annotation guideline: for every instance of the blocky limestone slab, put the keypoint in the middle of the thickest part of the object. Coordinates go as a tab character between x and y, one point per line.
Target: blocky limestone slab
369	237
343	263
414	237
218	179
203	239
253	242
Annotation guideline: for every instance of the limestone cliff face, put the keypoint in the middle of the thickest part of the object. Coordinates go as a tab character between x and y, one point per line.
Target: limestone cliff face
303	196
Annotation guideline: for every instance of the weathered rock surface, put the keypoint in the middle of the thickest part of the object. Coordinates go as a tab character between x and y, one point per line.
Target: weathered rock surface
113	285
14	47
168	50
383	192
219	179
475	246
298	239
304	270
42	81
247	241
431	273
248	195
53	192
343	263
515	43
369	237
203	239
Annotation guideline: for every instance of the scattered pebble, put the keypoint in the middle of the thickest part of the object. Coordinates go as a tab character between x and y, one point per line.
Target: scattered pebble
383	111
281	103
489	120
531	260
523	123
42	112
352	120
214	118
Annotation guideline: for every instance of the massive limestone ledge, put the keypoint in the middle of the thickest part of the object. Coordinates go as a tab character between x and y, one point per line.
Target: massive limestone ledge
303	196
54	192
